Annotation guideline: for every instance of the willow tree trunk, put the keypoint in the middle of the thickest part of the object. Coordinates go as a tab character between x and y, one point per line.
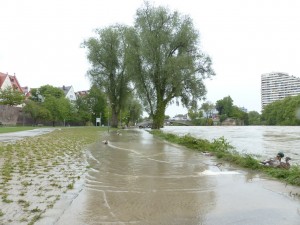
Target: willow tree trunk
114	120
159	117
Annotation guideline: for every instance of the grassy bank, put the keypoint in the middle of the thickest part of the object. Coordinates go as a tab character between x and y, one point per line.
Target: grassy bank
221	149
7	129
36	171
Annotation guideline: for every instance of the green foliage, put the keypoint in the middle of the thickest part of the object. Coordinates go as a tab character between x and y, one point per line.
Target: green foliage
254	118
14	129
37	112
227	109
97	103
48	90
223	150
166	61
225	106
48	103
82	112
208	108
107	53
70	186
132	112
10	96
196	117
291	176
282	112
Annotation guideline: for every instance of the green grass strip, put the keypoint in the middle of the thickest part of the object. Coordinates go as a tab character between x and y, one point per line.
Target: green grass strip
222	149
6	129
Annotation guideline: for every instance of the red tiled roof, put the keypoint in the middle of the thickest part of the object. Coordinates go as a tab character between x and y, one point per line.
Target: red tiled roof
13	80
2	78
82	93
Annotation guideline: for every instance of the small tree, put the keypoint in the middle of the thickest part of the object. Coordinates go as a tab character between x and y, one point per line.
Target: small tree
37	112
195	116
254	118
10	96
208	108
225	106
53	100
133	111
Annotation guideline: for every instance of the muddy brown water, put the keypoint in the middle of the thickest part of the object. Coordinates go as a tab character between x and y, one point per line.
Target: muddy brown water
138	179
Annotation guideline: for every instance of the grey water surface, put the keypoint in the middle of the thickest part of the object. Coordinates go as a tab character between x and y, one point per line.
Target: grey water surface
264	141
15	136
139	179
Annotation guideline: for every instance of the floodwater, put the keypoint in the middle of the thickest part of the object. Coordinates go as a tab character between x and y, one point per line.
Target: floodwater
15	136
264	141
138	179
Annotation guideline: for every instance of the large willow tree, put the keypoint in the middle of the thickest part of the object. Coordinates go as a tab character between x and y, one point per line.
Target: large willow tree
166	61
106	53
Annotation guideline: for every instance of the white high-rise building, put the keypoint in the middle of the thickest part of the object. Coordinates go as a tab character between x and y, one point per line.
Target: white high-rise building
276	86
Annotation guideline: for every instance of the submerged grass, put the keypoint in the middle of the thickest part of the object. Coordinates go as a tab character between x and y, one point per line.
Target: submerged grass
35	166
222	149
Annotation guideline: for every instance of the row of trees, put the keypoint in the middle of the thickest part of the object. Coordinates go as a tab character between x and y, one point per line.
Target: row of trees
154	63
282	112
223	109
48	104
159	60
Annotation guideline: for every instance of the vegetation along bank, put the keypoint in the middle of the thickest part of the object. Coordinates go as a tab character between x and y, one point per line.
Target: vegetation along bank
221	149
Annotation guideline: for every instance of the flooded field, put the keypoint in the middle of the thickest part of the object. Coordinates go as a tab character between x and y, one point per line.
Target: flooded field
137	179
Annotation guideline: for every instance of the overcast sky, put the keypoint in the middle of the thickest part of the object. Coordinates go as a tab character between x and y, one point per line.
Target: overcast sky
40	41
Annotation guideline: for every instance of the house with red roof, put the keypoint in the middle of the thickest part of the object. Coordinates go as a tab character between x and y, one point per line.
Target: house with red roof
81	93
7	80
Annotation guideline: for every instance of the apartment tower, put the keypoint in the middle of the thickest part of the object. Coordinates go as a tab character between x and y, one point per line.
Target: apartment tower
276	86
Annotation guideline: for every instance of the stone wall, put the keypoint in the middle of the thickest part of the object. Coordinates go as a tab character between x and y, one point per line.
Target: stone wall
9	114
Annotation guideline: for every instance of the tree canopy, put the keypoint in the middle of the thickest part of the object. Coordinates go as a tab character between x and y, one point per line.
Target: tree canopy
225	106
282	112
166	61
48	103
10	96
107	54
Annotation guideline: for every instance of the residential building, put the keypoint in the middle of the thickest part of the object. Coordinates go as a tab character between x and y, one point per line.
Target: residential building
276	86
7	81
81	93
69	92
181	117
